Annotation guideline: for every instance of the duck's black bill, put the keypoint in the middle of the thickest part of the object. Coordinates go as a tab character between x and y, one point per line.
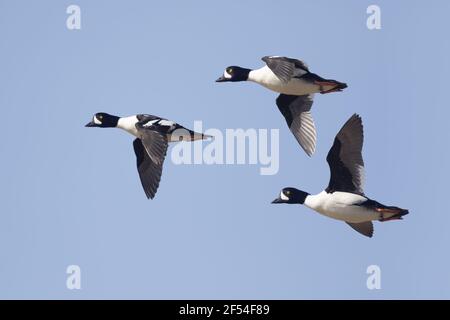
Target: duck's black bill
278	200
91	124
222	79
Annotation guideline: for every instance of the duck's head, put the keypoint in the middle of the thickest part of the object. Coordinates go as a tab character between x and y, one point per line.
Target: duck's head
103	120
291	195
234	74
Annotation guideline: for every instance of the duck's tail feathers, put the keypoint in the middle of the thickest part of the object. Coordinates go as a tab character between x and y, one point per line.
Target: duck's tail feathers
205	136
340	86
188	135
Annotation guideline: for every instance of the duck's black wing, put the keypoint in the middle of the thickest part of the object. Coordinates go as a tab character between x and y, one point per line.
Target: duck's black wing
150	149
286	68
365	228
296	111
161	125
345	158
173	131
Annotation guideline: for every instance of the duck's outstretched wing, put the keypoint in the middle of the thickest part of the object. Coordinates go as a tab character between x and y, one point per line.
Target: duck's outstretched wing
286	68
150	150
365	228
296	111
345	159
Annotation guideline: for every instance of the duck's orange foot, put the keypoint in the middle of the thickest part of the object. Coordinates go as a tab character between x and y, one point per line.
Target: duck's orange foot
391	218
396	214
323	84
331	90
387	210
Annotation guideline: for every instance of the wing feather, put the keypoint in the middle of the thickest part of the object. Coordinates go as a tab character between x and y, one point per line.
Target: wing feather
150	152
345	158
365	228
286	68
296	110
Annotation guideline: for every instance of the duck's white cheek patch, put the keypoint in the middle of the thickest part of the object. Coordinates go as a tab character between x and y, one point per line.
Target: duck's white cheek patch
226	75
283	196
96	121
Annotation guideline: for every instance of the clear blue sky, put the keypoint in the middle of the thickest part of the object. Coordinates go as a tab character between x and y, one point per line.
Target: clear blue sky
71	195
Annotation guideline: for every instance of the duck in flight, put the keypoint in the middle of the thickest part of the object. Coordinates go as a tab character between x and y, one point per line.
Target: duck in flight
296	85
344	197
150	146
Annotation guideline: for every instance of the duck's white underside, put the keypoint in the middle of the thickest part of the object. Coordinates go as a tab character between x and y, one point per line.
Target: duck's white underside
265	77
341	206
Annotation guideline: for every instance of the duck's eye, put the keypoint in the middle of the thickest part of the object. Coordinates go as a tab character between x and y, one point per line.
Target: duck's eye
288	193
230	70
100	117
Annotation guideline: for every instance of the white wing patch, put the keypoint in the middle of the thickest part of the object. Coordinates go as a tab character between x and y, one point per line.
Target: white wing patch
167	123
150	123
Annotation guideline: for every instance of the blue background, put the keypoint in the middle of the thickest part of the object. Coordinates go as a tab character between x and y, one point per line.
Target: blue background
71	195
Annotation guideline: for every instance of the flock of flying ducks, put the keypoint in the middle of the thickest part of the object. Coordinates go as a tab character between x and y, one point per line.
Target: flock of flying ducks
343	199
